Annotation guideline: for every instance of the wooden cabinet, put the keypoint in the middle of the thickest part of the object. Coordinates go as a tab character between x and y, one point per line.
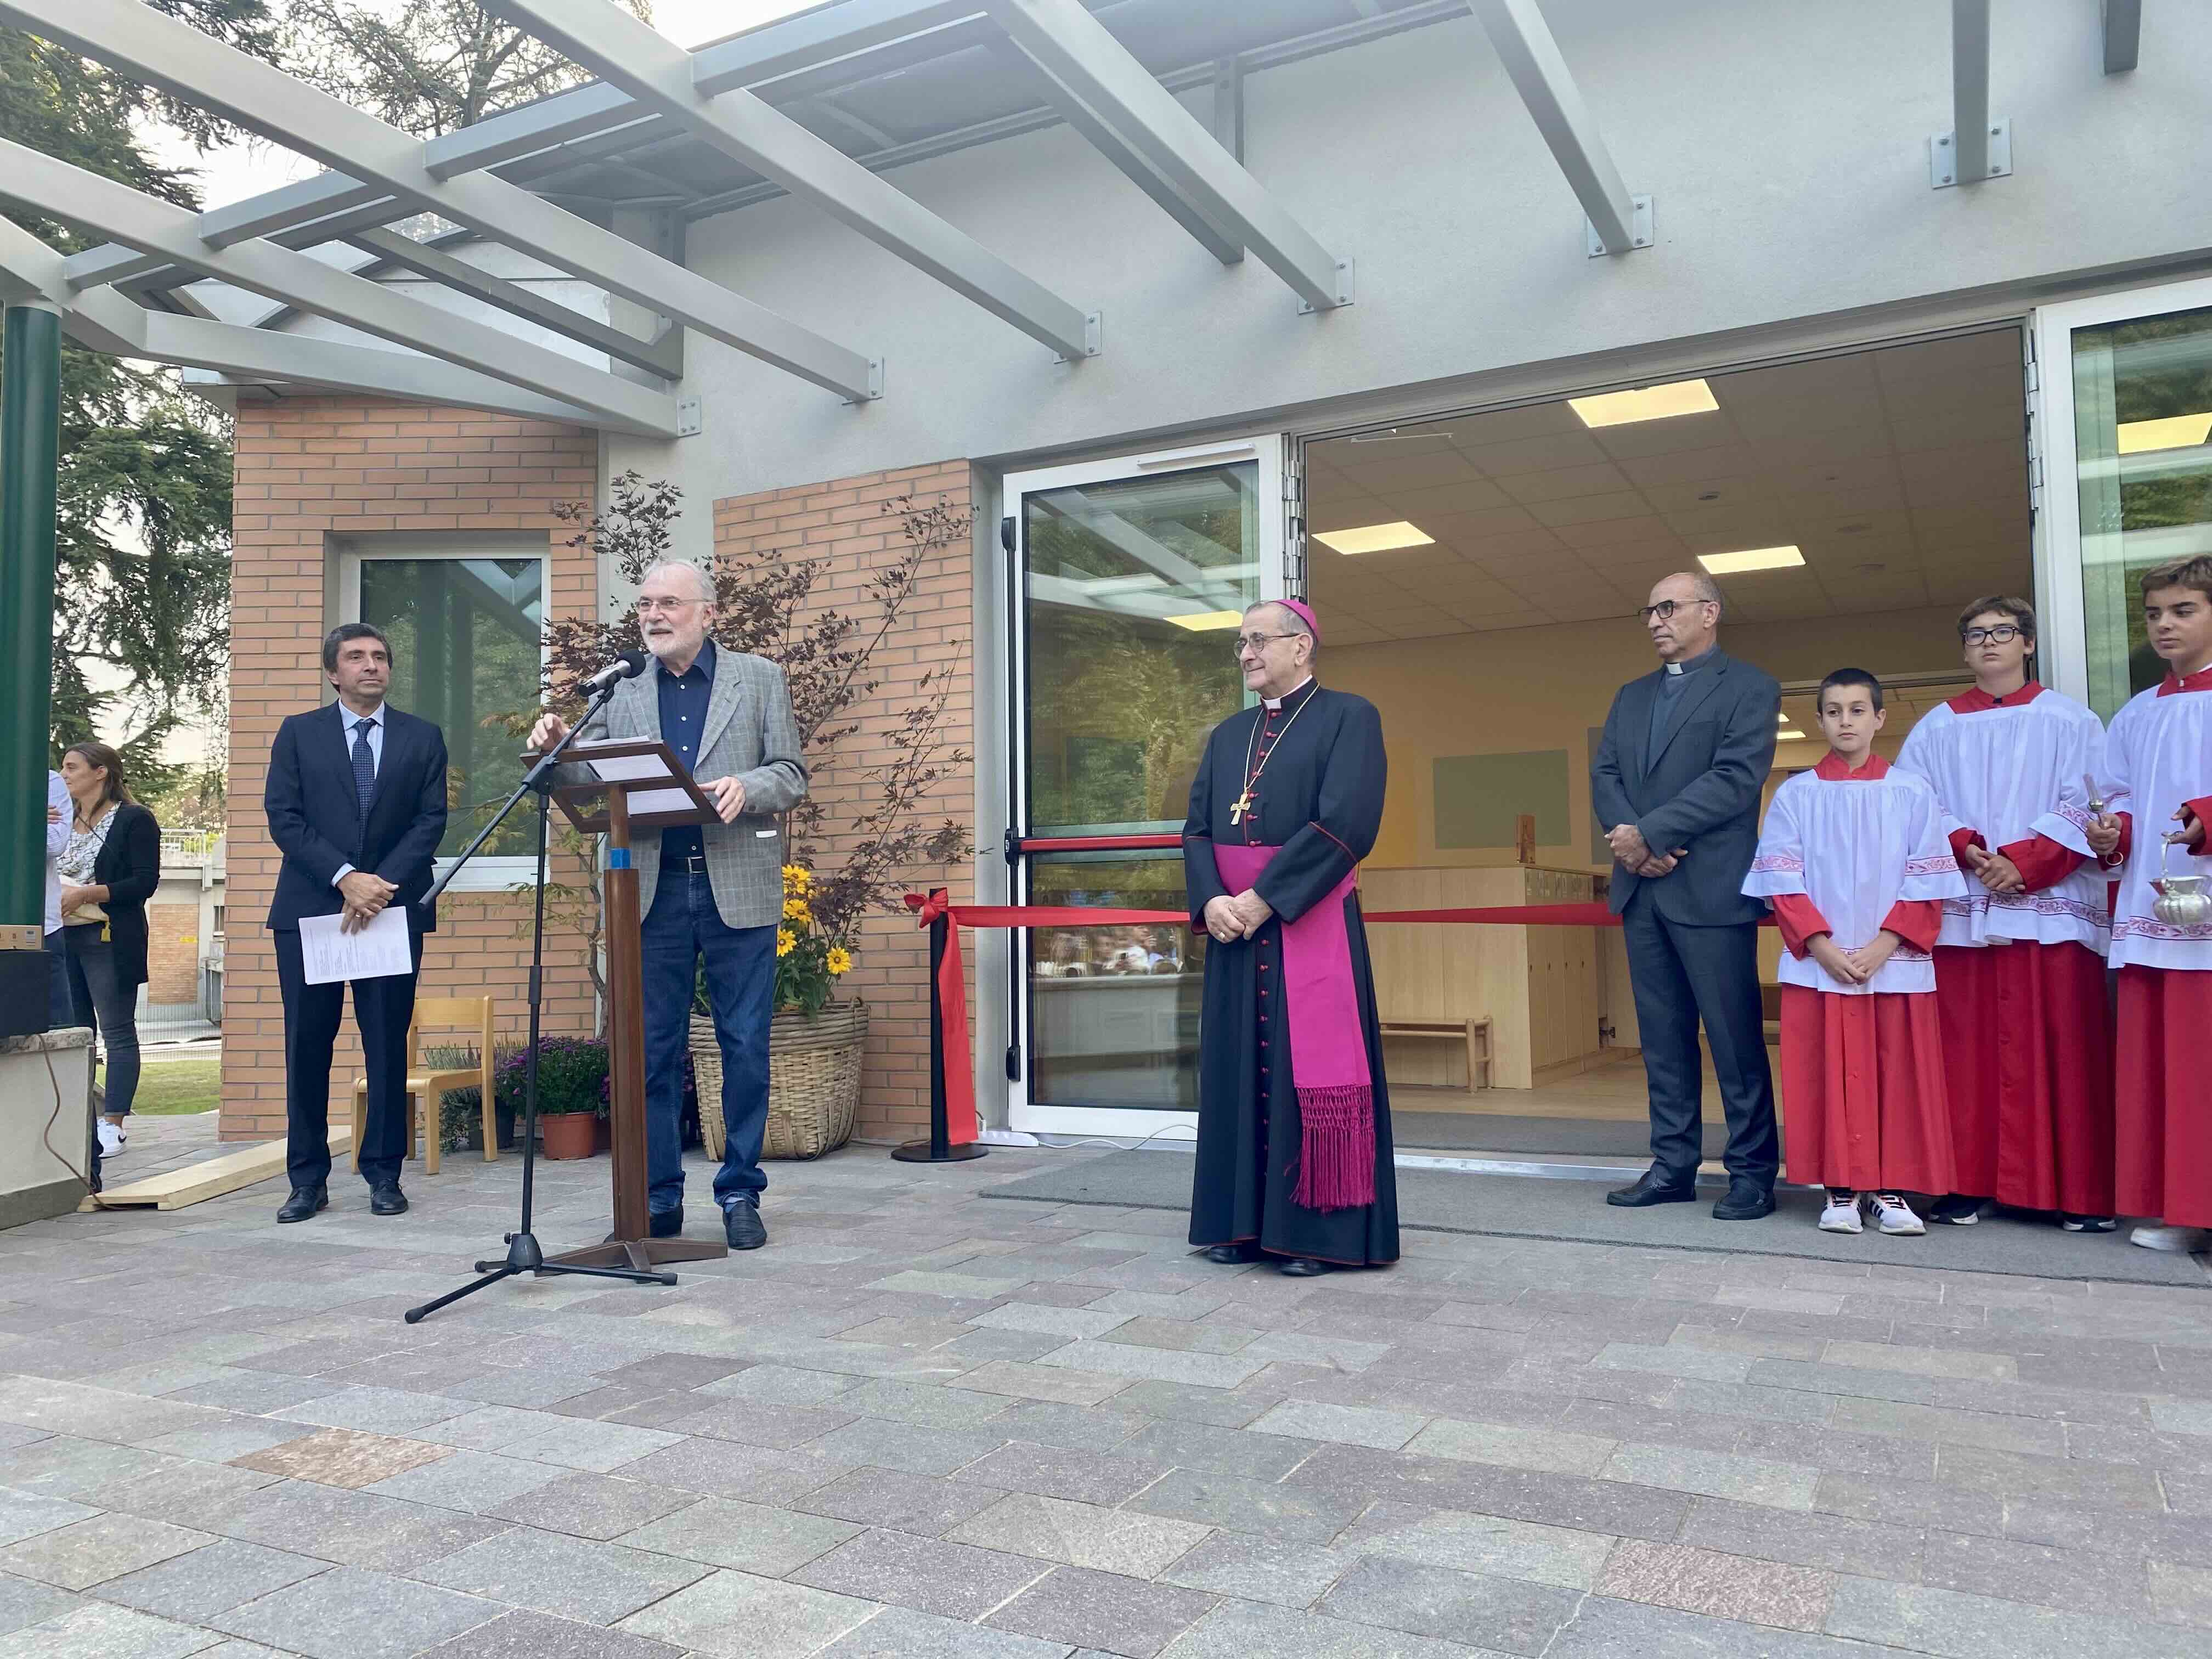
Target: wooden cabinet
1537	986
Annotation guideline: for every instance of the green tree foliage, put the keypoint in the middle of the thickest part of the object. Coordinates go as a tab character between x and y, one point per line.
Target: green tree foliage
426	66
142	581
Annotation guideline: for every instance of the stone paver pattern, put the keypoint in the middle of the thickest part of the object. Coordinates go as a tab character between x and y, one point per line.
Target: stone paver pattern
923	1421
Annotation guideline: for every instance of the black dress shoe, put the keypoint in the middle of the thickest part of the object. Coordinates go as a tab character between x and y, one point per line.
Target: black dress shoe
1652	1188
303	1203
742	1228
1230	1254
1305	1266
385	1199
1747	1200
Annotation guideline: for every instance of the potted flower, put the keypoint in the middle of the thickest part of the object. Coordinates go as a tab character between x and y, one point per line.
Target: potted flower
815	1044
571	1072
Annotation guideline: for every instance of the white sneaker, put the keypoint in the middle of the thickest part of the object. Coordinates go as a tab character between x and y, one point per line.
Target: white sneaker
2188	1240
1895	1215
1841	1214
111	1139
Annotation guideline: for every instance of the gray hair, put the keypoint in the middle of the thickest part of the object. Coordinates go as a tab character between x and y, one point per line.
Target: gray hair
1288	621
699	578
1702	586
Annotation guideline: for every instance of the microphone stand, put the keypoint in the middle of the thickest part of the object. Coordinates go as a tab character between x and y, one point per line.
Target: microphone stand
524	1254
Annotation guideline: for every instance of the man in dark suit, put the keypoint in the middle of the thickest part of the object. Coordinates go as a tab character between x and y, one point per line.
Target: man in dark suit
356	803
1676	786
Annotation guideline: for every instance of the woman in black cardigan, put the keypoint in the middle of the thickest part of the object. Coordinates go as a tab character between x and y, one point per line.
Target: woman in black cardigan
109	869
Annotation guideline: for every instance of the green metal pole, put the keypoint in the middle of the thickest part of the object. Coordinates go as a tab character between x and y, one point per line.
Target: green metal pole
30	457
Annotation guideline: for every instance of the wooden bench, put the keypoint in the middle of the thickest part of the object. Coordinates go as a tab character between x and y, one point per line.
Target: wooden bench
1474	1033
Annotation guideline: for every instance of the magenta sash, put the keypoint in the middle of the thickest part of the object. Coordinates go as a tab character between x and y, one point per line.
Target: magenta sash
1329	1046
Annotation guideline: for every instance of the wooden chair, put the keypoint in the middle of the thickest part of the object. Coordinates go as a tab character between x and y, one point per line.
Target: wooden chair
471	1014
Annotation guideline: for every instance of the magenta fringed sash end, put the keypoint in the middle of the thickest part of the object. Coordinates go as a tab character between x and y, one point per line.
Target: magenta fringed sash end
1328	1043
1336	1163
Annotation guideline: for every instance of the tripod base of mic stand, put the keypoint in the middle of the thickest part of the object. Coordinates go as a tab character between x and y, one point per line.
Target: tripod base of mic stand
525	1256
918	1151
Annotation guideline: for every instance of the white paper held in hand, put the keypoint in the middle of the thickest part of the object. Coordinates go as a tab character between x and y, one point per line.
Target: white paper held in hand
328	953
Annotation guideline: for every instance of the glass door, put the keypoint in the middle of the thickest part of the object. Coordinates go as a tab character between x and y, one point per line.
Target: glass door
1128	579
2129	376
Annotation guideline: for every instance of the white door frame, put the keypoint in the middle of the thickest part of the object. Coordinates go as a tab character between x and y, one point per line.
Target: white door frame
1267	451
2064	647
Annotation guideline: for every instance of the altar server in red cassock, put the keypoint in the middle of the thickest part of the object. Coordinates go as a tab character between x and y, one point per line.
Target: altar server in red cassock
2020	965
2158	780
1853	859
1293	1116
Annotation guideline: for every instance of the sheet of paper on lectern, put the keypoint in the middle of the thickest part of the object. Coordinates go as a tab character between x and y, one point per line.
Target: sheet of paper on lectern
328	953
642	801
618	769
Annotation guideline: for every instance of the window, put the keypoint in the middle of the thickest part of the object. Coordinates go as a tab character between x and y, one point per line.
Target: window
466	637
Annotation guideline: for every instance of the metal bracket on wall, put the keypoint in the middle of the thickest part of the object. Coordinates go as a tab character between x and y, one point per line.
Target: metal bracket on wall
1345	270
1943	149
1640	229
691	417
875	383
1094	334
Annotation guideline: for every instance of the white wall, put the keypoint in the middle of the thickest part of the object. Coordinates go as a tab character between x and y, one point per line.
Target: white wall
1785	141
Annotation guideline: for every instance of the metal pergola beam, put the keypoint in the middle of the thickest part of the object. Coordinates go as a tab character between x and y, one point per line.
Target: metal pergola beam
2122	33
1078	52
1532	62
73	196
663	357
662	78
1969	88
178	59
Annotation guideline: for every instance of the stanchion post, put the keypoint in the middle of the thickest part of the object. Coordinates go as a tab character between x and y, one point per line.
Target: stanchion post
939	1148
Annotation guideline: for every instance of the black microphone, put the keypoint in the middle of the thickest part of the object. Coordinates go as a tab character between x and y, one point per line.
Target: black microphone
627	665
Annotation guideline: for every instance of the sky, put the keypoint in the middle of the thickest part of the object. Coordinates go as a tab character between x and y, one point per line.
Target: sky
234	172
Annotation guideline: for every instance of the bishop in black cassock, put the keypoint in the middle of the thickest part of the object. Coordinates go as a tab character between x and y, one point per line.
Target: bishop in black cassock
1302	774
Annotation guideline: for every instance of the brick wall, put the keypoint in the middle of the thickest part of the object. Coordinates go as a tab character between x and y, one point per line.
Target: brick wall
306	470
172	955
843	520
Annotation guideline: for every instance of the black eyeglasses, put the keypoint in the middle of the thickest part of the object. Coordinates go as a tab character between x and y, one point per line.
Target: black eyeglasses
1666	609
2002	634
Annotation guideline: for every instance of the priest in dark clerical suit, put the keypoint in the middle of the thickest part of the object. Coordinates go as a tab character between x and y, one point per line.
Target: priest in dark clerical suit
1293	1118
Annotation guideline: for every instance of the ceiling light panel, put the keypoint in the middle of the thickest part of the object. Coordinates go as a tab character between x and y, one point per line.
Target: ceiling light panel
1651	402
1751	558
1375	538
1200	621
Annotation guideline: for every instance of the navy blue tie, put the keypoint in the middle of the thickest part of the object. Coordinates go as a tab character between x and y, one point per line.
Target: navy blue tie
364	768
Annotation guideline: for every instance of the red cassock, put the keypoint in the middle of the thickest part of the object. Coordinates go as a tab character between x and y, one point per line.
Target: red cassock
2159	760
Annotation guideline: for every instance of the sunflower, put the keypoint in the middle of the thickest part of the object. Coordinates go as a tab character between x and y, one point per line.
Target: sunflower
794	909
786	941
839	961
798	878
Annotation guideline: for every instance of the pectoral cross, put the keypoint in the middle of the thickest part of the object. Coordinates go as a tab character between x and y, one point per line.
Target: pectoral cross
1240	806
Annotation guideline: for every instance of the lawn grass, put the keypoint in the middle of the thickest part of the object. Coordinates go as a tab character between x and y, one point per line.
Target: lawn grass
172	1087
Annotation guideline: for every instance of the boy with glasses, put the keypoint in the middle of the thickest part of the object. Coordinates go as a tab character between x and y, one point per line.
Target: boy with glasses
2158	761
1853	860
2020	968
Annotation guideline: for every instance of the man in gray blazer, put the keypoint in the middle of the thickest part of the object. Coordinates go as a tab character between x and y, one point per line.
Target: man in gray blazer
1676	784
714	892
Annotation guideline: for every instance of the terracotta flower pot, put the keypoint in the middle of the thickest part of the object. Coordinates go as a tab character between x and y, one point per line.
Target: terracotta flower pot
567	1134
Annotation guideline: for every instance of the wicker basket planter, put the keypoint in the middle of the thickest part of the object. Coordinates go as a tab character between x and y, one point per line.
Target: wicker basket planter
813	1080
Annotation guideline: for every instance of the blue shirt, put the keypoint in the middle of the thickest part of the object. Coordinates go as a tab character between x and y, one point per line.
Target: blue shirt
683	700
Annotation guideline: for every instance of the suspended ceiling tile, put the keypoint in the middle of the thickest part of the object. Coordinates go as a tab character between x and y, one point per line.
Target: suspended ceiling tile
1712	462
1539	454
1615	532
1506	426
1473	495
1672	435
1386	474
1562	484
1819	451
1615	506
1703	493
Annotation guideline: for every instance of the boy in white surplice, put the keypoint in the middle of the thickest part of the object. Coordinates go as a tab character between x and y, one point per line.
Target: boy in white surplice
1853	860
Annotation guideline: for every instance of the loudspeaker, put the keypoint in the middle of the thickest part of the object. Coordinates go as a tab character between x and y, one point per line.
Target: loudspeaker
23	992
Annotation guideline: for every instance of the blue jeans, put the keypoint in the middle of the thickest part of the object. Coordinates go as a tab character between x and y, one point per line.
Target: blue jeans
107	1005
682	927
61	1007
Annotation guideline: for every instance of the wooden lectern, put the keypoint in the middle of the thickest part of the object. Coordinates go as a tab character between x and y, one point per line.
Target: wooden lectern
638	787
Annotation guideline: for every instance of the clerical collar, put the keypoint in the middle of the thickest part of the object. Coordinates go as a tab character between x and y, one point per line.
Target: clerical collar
1976	700
1274	705
1836	769
1693	664
2200	681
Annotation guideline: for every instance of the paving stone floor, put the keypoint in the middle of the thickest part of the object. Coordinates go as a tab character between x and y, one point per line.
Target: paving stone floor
923	1423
